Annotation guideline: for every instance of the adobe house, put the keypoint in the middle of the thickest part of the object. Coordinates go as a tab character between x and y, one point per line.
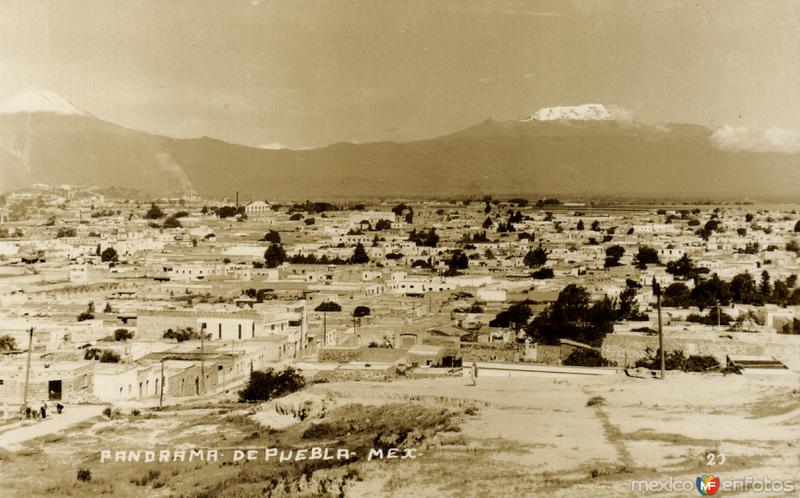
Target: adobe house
67	381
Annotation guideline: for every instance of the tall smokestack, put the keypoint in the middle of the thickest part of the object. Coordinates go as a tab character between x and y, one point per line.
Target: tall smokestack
237	199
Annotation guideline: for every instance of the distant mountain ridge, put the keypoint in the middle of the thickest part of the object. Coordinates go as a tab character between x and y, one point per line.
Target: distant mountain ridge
40	142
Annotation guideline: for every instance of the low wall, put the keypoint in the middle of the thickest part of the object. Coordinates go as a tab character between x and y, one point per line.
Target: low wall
626	348
473	351
345	374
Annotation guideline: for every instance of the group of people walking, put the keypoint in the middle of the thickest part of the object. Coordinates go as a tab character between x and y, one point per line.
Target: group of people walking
28	412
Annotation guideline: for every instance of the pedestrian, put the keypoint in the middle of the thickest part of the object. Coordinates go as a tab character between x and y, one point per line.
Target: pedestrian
471	372
27	411
59	407
474	373
43	409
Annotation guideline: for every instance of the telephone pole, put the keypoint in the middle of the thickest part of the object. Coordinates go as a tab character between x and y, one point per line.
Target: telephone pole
28	367
202	359
161	395
657	292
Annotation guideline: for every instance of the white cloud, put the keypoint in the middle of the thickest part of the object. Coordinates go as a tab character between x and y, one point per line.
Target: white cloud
744	139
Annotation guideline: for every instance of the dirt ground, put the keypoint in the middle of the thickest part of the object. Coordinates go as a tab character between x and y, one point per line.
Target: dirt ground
523	436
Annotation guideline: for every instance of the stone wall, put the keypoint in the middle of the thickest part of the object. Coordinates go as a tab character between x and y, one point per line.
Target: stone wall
626	348
345	375
473	351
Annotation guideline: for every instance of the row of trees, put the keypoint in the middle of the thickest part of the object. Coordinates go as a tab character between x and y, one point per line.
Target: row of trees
275	256
742	289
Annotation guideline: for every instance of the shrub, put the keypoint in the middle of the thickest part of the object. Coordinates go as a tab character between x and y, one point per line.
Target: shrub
107	411
542	274
696	363
586	358
122	335
84	475
270	384
109	357
676	360
596	401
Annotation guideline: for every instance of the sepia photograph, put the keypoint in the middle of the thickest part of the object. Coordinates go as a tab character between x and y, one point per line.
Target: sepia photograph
399	248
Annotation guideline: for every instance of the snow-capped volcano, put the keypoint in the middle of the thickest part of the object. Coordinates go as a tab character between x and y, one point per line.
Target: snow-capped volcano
585	112
36	99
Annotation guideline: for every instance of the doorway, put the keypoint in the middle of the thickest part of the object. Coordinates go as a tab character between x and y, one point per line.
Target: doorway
54	390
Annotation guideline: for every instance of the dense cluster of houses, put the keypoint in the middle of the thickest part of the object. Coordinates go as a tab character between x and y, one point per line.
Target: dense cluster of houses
108	299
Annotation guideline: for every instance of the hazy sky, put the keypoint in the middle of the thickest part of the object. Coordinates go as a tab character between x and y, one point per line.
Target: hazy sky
309	73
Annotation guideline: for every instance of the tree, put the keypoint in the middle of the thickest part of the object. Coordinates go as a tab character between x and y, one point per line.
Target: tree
272	236
516	317
458	261
359	255
595	226
683	268
543	273
711	292
765	288
627	300
325	308
535	258
646	255
171	222
122	335
797	226
358	313
613	255
7	343
487	223
154	212
383	225
88	314
66	232
677	295
579	226
274	256
744	290
108	356
586	358
109	255
572	317
425	239
269	384
361	311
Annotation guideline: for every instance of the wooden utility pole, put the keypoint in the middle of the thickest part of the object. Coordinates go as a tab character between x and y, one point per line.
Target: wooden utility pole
161	395
657	292
28	367
202	359
324	326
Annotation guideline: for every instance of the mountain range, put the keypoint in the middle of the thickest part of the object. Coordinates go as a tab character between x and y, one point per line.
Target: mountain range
579	150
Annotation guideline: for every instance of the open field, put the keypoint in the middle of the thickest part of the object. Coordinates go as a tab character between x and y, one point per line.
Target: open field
503	437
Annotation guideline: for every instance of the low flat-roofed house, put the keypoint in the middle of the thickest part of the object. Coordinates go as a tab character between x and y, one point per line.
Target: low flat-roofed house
69	381
423	354
115	382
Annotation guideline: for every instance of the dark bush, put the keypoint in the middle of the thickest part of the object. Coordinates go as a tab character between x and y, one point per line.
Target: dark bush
84	475
270	384
697	363
676	360
586	358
